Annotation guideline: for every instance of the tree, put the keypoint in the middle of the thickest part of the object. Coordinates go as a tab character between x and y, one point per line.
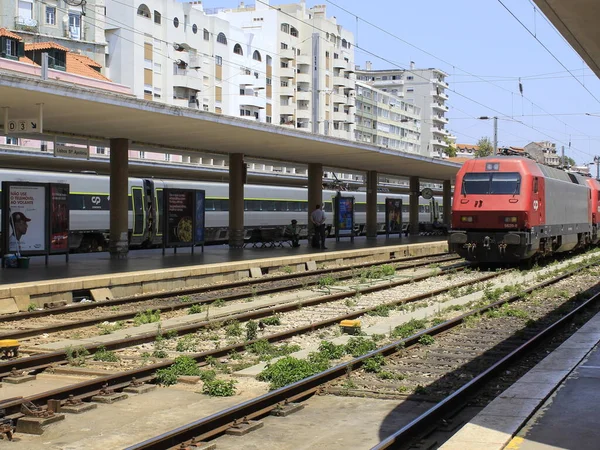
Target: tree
570	161
450	151
484	148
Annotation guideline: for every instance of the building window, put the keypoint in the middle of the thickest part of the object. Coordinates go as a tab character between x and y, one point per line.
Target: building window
195	29
176	22
167	157
142	155
75	25
221	38
218	60
157	68
25	11
100	151
256	56
269	81
50	15
409	78
237	49
206	35
269	61
410	90
285	27
284	46
11	48
12	140
294	32
269	119
143	11
157	17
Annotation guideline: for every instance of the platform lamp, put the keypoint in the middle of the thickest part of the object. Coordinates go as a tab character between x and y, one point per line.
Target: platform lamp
495	131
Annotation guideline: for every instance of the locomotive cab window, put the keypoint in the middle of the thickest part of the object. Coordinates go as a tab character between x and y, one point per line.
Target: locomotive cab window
498	183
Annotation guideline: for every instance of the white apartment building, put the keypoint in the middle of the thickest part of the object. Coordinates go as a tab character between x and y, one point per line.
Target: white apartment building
311	82
424	88
79	28
544	152
385	120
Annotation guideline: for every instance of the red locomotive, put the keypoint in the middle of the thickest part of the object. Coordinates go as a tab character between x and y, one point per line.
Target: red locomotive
510	208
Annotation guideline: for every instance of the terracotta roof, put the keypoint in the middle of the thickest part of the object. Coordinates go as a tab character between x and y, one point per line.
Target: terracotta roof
517	149
467	147
25	59
44	46
82	65
5	33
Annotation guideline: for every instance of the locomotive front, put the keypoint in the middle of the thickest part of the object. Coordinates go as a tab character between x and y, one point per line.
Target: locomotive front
497	200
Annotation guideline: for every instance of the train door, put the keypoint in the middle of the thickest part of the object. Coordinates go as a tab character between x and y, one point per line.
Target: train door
538	205
150	223
158	208
434	211
139	215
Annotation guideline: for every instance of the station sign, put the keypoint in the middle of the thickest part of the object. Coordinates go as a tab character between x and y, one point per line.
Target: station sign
16	126
70	151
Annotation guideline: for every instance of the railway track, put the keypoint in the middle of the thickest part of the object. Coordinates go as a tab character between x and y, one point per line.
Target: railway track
87	389
183	300
216	424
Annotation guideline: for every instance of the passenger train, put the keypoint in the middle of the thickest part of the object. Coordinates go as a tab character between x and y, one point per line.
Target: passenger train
509	209
265	206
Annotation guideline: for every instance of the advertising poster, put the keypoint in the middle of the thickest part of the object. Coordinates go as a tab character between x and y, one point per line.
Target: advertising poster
179	214
393	208
27	218
59	218
199	234
346	214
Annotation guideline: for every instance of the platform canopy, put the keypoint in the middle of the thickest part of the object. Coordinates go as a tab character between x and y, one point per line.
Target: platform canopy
577	21
79	112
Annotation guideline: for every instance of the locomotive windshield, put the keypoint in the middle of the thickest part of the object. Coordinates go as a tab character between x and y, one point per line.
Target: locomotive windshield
508	183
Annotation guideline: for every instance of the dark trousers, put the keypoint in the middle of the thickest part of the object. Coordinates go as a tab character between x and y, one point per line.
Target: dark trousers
320	232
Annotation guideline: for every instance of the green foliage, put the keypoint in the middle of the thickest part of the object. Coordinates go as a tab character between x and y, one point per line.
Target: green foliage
195	309
233	329
409	328
31	307
108	328
219	388
287	269
327	280
105	355
357	346
350	303
185	299
426	340
378	272
267	351
251	330
380	310
159	344
329	350
208	375
507	311
374	364
484	148
144	317
187	343
273	320
450	150
218	303
171	334
385	375
76	355
183	365
289	370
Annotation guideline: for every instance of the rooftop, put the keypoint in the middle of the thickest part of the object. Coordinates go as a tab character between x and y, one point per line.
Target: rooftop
44	46
5	33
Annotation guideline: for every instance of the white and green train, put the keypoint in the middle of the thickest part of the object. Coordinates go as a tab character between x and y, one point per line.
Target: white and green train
265	206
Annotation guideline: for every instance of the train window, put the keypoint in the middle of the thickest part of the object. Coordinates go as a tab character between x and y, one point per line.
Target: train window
328	207
75	202
252	205
535	185
209	204
476	183
505	183
223	205
426	208
267	205
360	207
381	207
421	208
405	209
294	206
280	206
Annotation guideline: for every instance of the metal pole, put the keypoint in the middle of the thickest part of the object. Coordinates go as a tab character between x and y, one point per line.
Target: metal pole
562	157
495	135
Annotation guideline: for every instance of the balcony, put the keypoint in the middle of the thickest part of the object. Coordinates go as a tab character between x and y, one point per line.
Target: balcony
303	95
438	118
287	72
438	143
350	100
439	82
383	83
339	81
248	80
303	112
288	53
252	100
304	59
350	67
188	82
339	63
339	99
340	116
439	95
442	131
439	106
303	77
287	91
287	110
26	24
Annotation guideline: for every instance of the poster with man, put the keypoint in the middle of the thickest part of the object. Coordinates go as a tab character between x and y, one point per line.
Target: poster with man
27	219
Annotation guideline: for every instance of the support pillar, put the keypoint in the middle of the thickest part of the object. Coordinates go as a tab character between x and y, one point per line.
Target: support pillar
413	214
447	199
237	178
372	179
315	193
118	244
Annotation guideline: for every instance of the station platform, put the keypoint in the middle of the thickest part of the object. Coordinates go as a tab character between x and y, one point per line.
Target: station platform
146	271
553	406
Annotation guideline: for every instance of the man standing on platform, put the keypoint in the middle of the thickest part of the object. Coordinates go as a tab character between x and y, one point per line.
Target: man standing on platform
318	220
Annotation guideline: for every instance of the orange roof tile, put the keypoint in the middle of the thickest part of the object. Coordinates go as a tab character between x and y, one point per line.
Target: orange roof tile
25	59
467	147
5	33
82	65
44	46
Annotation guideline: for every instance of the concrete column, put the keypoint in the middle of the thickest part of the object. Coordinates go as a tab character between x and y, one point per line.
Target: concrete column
372	179
415	194
236	199
315	192
447	199
118	244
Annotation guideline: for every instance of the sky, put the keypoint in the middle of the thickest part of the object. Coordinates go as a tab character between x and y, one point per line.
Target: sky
485	51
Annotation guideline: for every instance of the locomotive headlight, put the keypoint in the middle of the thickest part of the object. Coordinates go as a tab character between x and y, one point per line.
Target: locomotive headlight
466	219
511	219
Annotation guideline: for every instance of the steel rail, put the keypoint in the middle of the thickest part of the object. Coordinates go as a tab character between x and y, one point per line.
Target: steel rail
47	359
76	307
215	424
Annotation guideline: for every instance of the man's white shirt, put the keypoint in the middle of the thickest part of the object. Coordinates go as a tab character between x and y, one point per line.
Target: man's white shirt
318	216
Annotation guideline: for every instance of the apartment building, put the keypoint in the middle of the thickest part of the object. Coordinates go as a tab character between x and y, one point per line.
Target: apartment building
424	88
78	28
544	152
311	81
384	119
